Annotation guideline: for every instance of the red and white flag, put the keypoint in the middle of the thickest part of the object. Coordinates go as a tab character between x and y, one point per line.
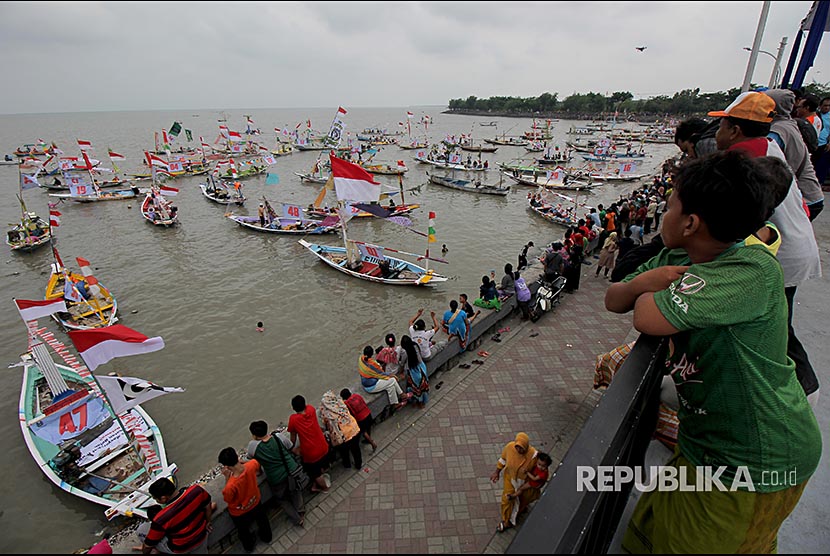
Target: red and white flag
33	310
100	345
91	280
204	145
409	114
353	183
54	218
88	163
234	175
115	156
234	135
153	160
84	145
401	164
341	110
168	191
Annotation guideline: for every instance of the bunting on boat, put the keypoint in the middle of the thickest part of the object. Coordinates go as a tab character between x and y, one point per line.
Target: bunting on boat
431	230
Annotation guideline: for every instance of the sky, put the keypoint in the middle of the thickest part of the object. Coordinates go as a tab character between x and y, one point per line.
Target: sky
103	56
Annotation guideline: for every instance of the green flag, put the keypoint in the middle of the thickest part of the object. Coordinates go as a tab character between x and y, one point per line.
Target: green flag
189	135
175	129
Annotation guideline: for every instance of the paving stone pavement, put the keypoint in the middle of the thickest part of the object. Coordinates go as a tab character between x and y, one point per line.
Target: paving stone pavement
428	489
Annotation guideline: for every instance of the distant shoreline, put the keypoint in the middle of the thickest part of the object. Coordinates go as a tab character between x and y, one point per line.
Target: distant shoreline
644	119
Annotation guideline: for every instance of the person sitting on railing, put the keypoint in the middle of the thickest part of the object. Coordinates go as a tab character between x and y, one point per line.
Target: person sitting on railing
742	410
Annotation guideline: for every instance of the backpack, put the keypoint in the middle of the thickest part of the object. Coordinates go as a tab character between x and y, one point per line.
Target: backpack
808	133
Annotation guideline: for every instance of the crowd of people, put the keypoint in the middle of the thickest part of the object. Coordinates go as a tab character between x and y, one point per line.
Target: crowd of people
735	358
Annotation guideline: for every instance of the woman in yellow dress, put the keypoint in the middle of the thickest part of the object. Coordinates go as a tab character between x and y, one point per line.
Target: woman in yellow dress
517	458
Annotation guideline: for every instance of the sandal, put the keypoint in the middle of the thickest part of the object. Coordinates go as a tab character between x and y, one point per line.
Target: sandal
478	361
505	329
483	353
465	365
496	338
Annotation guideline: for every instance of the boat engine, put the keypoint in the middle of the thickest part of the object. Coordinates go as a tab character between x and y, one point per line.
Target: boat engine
65	463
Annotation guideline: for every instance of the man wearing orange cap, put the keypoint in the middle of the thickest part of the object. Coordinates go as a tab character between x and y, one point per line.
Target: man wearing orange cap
744	126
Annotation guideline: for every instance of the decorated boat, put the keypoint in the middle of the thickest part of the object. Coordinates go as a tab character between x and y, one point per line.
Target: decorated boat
478	148
508	141
472	186
293	221
386	169
222	192
157	210
31	231
85	434
89	304
553	180
449	164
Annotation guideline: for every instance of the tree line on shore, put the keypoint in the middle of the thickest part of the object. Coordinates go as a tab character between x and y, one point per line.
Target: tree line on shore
578	105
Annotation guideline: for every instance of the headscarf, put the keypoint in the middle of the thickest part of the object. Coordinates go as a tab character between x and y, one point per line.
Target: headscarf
518	464
612	239
340	423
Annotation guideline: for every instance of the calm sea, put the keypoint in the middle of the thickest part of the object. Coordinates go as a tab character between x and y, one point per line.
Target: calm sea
204	285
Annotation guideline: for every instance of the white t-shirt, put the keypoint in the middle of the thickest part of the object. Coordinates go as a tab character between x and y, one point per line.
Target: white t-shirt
423	338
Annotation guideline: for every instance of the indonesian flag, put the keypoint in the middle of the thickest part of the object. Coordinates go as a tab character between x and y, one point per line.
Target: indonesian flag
409	114
233	168
91	280
100	345
308	124
168	191
353	183
84	145
164	138
153	160
33	310
401	164
115	156
54	218
87	161
202	140
234	135
124	393
340	110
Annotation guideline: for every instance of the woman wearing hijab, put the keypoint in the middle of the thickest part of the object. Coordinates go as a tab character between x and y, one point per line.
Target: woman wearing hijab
417	378
608	254
517	458
344	432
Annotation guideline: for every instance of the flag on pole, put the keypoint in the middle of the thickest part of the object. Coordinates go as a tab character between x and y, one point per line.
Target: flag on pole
54	218
409	114
234	173
341	110
100	345
91	280
115	156
175	129
269	159
168	191
87	161
189	135
126	392
234	135
431	229
202	141
153	160
84	145
353	183
28	182
33	310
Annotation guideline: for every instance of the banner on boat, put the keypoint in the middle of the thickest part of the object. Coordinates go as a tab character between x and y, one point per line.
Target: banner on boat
72	420
337	125
80	190
370	251
293	211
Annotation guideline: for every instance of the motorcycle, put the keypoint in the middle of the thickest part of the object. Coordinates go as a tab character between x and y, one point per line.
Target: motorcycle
548	295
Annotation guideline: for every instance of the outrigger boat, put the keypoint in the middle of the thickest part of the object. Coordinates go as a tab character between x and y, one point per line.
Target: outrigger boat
106	457
89	303
288	224
32	231
469	185
365	260
223	192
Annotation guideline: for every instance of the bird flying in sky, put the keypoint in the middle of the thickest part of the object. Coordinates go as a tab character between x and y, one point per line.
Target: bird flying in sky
640	48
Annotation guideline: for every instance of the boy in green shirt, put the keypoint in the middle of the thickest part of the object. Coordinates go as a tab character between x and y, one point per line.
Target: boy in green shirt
741	407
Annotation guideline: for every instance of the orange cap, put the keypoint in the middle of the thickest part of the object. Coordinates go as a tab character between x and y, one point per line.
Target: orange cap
753	106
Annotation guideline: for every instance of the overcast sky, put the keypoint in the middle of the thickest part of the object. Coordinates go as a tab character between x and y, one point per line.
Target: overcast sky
79	56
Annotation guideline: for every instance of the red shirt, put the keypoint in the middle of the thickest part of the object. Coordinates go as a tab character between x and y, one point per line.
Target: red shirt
543	477
357	406
313	444
183	521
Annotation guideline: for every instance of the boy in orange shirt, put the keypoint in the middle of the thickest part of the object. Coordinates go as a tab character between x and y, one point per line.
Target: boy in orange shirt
242	494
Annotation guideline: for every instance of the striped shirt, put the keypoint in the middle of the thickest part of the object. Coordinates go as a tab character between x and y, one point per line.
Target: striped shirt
183	521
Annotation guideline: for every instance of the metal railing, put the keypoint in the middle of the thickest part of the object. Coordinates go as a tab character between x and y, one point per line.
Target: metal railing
565	520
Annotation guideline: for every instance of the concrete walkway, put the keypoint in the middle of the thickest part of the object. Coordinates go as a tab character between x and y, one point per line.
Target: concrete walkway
427	488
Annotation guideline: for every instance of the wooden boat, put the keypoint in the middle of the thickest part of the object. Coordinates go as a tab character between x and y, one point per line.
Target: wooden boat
312	178
469	185
562	159
488	124
222	192
508	142
8	160
413	146
287	225
29	234
556	215
112	463
312	147
400	272
612	157
600	176
157	210
545	182
478	148
98	195
97	309
534	148
30	149
245	169
384	169
444	164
